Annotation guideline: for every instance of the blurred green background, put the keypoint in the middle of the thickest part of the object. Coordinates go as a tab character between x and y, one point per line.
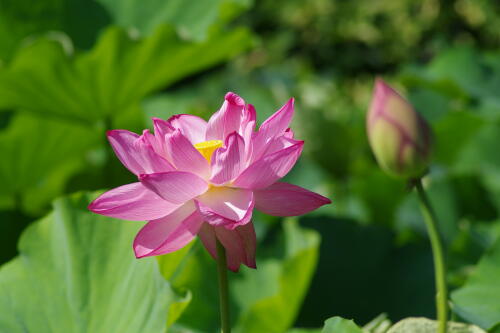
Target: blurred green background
72	69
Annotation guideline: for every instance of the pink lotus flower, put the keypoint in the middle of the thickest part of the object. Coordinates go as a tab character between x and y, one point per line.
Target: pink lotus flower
205	179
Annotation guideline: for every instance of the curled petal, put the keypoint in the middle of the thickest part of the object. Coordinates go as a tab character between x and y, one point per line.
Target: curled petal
240	244
225	206
175	186
132	202
227	119
169	233
228	161
185	156
268	169
192	127
283	199
136	152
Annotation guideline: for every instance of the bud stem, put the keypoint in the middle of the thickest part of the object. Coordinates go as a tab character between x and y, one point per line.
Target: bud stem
223	288
437	252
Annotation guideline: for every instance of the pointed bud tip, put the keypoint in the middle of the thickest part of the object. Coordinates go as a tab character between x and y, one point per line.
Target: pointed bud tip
399	137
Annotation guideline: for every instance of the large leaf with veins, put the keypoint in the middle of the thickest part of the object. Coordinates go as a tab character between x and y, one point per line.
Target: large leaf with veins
76	272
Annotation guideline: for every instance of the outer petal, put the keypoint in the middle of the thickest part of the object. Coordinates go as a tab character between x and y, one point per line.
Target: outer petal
273	145
274	127
228	161
240	244
136	153
132	202
169	233
185	156
283	199
227	119
269	168
226	206
175	186
278	122
192	127
207	237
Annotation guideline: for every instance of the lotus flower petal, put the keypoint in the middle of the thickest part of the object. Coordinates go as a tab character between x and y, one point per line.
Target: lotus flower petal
269	168
136	153
161	128
169	233
226	206
273	145
184	155
175	186
240	244
228	119
132	202
247	129
278	122
192	127
283	199
227	162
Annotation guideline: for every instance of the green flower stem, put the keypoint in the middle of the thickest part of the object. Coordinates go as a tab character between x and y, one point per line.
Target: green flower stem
223	288
437	252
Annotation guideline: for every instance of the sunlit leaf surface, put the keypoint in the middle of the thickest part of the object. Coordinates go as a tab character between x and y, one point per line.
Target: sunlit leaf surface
76	272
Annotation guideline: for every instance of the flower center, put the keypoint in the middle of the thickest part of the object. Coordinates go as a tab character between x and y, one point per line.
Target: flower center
206	148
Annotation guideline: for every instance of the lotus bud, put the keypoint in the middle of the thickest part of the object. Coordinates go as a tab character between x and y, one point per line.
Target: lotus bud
399	137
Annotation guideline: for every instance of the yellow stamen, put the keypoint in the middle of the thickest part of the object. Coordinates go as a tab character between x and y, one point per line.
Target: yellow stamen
206	148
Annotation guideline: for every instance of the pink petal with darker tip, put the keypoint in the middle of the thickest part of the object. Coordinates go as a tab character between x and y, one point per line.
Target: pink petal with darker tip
277	124
161	127
283	199
228	119
132	202
192	127
169	233
273	145
270	168
136	153
175	186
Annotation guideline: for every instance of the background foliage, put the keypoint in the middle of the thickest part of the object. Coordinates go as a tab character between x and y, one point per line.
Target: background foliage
71	69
